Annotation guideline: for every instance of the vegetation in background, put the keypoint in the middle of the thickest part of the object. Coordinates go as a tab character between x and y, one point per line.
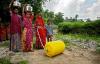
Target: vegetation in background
36	4
58	18
91	28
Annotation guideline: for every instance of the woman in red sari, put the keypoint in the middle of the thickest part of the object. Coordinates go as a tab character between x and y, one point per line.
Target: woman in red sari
40	32
28	32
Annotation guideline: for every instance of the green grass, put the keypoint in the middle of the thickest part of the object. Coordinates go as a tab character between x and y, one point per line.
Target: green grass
86	37
5	60
78	36
23	62
4	44
63	38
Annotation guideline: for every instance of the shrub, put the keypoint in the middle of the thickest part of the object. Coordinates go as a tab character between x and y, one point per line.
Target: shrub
67	27
5	60
23	62
98	49
80	27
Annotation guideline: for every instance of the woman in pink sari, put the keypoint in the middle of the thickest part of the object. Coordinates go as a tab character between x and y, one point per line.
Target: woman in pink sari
15	31
28	32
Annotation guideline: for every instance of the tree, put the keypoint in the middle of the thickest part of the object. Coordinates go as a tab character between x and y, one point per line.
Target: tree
88	20
4	11
36	4
46	13
51	15
76	16
58	18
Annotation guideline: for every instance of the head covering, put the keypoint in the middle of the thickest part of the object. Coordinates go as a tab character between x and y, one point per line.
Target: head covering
17	4
29	8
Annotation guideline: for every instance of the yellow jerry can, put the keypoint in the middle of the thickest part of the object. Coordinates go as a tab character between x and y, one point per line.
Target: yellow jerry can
54	48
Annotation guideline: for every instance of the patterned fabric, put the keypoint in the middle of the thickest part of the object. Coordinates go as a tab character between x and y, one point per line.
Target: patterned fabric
28	34
15	24
8	32
2	34
40	32
15	42
15	32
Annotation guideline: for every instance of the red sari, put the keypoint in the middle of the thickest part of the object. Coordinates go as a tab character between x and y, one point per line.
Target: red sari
27	34
8	32
0	33
40	32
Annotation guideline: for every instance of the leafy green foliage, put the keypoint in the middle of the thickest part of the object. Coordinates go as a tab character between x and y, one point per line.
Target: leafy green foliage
55	18
36	4
80	27
76	16
48	14
4	13
58	18
67	27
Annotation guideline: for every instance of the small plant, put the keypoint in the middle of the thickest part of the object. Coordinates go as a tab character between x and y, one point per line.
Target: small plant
98	44
4	44
23	62
5	60
98	48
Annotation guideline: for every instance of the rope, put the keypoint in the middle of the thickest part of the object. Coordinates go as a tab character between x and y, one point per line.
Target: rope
40	38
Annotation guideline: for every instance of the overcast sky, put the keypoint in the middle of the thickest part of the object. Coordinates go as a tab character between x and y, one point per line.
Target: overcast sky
84	8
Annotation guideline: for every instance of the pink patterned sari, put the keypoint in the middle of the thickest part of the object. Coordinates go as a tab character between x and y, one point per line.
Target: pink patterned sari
27	34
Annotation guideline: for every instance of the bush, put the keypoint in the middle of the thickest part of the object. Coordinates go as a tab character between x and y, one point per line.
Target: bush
23	62
80	27
67	27
98	48
5	60
4	44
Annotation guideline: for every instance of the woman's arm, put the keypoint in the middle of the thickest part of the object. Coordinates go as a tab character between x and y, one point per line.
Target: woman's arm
10	5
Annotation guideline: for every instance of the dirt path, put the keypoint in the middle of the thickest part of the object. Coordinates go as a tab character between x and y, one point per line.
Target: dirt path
74	55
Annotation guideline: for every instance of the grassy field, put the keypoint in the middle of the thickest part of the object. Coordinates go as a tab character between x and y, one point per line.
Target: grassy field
79	36
63	37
